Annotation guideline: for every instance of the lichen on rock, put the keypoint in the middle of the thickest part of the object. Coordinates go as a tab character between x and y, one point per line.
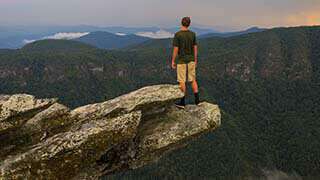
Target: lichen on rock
133	130
17	108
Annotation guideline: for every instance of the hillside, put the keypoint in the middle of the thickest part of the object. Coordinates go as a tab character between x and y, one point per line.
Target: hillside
105	40
56	45
266	83
231	34
281	53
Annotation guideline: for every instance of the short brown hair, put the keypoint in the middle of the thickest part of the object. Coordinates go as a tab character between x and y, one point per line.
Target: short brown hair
186	21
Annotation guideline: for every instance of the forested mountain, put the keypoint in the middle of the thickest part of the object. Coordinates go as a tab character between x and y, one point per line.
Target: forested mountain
267	84
14	37
230	34
51	45
105	40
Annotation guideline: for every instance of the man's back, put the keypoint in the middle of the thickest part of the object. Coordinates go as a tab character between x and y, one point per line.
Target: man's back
185	40
186	49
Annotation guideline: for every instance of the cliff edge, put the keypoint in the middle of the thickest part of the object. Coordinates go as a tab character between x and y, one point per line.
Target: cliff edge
42	139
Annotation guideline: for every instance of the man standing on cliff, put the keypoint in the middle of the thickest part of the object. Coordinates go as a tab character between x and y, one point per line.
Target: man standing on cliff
185	59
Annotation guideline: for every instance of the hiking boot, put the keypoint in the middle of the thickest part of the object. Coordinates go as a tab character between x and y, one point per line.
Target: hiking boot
196	98
181	104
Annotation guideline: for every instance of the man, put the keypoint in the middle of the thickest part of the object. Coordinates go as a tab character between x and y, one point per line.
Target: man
185	50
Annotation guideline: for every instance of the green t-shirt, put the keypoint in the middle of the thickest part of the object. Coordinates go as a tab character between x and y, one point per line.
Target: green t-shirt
185	41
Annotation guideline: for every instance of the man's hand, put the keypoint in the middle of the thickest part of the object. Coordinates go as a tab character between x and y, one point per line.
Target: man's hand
173	65
174	56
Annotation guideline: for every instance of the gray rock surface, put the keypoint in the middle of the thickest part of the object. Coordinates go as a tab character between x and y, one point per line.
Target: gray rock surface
15	109
51	142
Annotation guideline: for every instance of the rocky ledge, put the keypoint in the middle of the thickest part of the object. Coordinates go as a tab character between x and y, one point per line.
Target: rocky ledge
42	139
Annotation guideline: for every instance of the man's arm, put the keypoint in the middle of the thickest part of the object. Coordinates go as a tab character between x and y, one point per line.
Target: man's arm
174	56
195	48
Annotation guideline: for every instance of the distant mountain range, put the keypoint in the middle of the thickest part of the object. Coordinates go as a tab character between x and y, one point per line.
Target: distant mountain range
266	84
106	40
230	34
54	45
17	36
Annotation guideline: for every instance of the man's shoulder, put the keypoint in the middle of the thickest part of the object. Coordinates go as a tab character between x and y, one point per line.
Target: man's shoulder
178	33
193	33
182	32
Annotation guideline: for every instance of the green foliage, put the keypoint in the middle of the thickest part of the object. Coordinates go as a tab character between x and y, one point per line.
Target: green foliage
106	40
266	83
57	45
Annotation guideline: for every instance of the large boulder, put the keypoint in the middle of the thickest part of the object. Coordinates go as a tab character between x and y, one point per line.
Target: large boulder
124	133
16	109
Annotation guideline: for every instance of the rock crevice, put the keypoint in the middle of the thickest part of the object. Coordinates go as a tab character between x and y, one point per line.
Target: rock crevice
51	142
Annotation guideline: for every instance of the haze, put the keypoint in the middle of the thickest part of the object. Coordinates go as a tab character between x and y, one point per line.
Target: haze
221	14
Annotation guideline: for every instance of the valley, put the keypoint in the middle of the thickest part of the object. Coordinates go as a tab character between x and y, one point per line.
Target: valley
266	83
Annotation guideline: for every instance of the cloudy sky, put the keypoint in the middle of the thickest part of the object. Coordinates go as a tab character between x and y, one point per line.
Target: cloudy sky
231	14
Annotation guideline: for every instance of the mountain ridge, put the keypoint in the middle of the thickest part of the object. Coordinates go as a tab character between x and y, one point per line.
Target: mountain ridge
231	34
14	37
266	84
105	40
56	45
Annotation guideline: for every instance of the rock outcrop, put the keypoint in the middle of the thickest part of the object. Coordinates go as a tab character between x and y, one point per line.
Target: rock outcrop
42	139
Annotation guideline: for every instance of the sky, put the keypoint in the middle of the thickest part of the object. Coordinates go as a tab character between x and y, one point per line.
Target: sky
221	14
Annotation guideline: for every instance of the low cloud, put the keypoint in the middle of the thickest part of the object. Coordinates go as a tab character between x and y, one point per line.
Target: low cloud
161	34
60	35
26	41
67	35
121	34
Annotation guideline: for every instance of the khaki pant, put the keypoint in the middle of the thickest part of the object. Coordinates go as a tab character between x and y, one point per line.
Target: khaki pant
186	72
